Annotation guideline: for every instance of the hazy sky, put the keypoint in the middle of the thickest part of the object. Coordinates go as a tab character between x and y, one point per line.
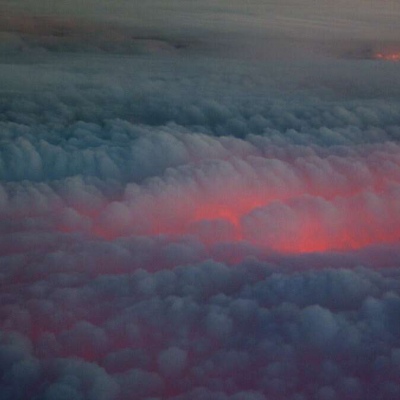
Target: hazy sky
354	19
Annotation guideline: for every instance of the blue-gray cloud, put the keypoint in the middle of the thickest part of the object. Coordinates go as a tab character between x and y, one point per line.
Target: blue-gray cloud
179	220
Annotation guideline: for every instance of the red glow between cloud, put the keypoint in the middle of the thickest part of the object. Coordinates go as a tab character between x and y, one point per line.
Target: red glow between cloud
349	226
294	213
390	56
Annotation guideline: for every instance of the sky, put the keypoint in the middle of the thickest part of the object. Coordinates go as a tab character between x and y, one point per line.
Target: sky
199	200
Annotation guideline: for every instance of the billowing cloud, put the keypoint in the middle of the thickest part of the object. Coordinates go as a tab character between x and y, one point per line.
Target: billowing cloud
187	218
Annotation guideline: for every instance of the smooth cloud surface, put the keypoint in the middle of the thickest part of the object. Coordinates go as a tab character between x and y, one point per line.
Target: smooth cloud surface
182	218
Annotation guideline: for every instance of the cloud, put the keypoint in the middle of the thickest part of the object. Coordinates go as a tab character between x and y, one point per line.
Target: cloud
172	361
198	219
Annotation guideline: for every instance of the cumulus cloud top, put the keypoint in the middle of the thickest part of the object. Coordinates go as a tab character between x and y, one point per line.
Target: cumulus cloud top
181	219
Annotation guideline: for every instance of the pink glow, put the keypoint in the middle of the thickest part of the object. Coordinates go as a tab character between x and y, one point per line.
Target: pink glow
290	205
388	56
290	224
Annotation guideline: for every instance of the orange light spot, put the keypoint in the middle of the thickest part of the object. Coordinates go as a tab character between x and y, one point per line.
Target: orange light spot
388	56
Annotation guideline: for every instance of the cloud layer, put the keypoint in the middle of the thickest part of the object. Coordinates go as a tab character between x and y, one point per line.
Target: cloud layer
182	221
